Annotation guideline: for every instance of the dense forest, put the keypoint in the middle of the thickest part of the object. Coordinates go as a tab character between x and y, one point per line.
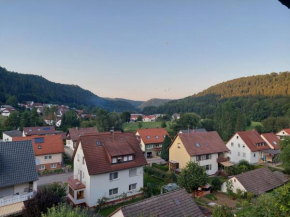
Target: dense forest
36	88
258	97
153	102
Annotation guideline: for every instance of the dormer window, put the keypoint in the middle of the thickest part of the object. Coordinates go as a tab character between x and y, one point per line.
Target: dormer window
119	160
114	160
148	137
125	158
130	157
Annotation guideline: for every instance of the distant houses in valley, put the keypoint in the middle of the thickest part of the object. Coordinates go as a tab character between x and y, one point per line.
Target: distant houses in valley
283	133
6	110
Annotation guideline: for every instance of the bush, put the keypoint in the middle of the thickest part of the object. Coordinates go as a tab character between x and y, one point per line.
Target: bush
250	196
211	197
163	167
64	210
157	173
222	211
216	184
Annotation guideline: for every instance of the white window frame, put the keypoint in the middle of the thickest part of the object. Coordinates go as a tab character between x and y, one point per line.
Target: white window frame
150	146
47	157
133	175
130	157
41	167
132	185
114	160
111	191
52	166
112	178
125	158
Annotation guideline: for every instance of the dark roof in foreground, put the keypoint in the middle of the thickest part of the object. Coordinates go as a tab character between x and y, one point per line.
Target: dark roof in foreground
260	180
13	133
17	163
173	204
285	178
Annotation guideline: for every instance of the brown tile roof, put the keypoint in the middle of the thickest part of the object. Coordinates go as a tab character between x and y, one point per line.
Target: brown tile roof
259	181
286	130
29	131
272	139
251	138
52	144
75	133
203	143
285	178
97	156
152	133
172	204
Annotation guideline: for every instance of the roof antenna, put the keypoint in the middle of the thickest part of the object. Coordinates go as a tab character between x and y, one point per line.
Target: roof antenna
113	133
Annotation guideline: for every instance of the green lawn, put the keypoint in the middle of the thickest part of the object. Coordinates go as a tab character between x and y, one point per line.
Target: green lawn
132	127
2	119
253	124
151	179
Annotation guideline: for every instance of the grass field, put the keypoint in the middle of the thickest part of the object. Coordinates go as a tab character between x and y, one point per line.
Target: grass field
2	119
132	127
253	125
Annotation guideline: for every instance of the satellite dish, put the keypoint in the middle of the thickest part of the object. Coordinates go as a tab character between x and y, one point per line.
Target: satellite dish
37	161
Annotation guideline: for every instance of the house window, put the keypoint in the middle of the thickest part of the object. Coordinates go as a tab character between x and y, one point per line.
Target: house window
133	187
148	137
53	166
150	146
198	158
78	157
119	159
113	176
238	153
113	191
39	140
244	154
157	137
41	167
244	146
208	156
207	167
80	195
125	158
178	145
47	157
133	172
254	154
130	157
114	160
237	137
232	144
83	160
239	145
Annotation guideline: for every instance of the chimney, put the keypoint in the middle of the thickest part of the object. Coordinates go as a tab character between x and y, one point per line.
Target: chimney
113	133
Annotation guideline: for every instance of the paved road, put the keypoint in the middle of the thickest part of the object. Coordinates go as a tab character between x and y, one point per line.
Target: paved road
44	180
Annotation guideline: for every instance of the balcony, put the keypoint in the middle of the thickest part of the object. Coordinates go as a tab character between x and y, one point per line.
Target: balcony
16	198
76	190
222	159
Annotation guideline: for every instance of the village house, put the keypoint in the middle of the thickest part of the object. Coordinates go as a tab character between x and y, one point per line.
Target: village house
257	181
175	117
73	135
206	148
274	143
38	131
283	133
151	141
18	176
6	112
106	165
247	145
48	151
176	203
8	135
148	118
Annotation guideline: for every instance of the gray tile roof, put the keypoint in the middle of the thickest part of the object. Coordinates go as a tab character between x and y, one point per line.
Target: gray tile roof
17	163
173	204
259	181
285	178
193	130
13	133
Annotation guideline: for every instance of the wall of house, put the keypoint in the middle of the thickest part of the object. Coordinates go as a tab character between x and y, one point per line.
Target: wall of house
282	134
142	144
6	138
236	185
240	153
101	184
212	162
79	166
20	188
7	191
179	155
69	143
55	159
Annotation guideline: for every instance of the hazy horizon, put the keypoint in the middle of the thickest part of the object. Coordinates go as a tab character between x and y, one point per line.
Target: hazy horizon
141	50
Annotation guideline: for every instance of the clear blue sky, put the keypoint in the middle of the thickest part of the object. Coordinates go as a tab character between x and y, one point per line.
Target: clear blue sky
137	49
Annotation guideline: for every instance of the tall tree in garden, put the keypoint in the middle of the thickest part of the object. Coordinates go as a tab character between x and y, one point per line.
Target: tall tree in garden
285	153
115	121
165	148
126	116
34	119
25	119
241	122
69	119
12	122
269	124
102	120
192	176
190	120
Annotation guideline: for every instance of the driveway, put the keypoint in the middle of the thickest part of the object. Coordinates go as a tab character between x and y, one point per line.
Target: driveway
156	160
45	180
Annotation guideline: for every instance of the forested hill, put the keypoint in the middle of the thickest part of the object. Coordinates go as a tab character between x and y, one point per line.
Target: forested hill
258	97
153	102
36	88
273	84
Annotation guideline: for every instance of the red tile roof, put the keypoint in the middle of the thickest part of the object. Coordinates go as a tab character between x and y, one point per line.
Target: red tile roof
97	156
75	133
286	130
272	139
52	144
29	131
251	139
156	135
203	143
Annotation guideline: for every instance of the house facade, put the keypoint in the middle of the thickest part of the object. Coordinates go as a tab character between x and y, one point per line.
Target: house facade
202	147
7	136
18	176
246	145
73	135
106	166
283	133
151	141
48	151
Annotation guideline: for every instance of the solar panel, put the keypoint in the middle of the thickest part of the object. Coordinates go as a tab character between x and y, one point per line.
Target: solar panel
197	145
46	128
39	140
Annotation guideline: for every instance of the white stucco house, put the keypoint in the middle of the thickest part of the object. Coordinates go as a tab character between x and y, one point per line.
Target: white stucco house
246	145
206	148
283	133
7	136
106	165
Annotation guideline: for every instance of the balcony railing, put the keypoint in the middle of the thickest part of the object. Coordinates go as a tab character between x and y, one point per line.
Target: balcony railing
16	198
222	159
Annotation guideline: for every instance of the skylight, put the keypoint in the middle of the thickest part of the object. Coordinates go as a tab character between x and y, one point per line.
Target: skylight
98	143
157	137
197	145
148	137
275	143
